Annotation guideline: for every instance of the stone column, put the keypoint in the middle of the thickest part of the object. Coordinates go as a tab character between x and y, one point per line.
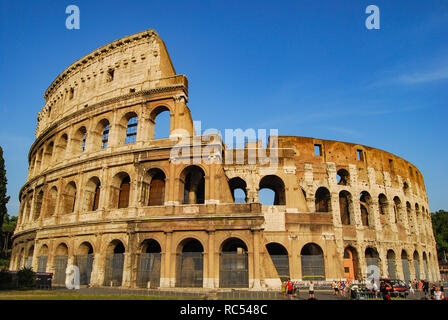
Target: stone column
209	281
335	209
356	211
127	269
256	259
295	265
166	278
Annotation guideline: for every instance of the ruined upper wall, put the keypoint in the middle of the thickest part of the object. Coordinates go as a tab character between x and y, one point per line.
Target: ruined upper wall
344	154
130	64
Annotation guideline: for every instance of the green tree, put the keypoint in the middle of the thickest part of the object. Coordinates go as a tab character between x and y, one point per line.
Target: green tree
3	197
9	225
440	226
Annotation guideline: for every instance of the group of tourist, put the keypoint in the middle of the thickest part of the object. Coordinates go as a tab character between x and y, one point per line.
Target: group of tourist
435	293
344	288
341	287
290	289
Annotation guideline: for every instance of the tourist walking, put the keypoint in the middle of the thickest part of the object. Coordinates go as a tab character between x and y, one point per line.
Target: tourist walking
335	288
289	288
284	288
411	289
425	287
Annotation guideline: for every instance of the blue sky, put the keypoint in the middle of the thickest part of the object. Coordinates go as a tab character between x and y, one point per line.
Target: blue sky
308	68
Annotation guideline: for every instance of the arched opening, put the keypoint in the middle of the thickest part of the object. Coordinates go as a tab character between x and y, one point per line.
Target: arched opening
120	191
397	210
149	264
234	264
60	261
113	273
123	196
31	165
382	207
79	141
280	259
42	259
416	265
161	118
391	266
345	203
39	160
313	267
84	261
38	204
276	186
48	154
238	189
52	197
342	177
405	266
322	200
312	262
406	188
190	264
100	135
372	261
351	264
154	187
130	122
92	194
364	203
61	147
29	201
29	257
69	198
193	181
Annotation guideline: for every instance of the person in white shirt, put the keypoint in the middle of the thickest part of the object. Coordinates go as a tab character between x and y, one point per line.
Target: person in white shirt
411	289
438	295
375	288
311	290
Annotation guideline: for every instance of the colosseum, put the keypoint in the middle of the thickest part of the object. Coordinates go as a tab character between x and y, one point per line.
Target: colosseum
134	211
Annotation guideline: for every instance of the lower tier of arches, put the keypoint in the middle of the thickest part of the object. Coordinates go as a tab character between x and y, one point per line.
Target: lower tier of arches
249	258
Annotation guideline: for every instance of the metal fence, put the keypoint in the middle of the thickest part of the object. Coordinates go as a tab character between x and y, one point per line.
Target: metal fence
406	272
148	270
85	265
425	267
417	270
281	263
60	267
189	270
113	273
391	268
42	264
313	267
234	270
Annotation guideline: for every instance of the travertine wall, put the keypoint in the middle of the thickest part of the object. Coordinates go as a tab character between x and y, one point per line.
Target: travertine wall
74	191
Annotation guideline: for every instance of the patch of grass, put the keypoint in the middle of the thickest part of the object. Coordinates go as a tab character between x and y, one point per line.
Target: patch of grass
64	295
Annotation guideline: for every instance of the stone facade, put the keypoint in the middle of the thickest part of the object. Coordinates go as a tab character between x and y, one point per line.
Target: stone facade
99	184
